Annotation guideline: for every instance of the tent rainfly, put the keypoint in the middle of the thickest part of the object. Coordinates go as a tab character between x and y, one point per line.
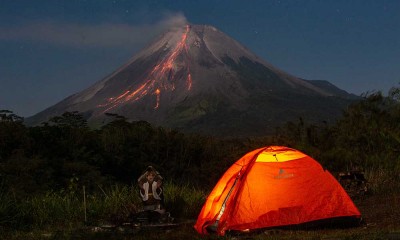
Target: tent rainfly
274	187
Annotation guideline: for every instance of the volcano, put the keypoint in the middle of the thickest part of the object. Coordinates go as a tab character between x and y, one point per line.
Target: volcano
195	78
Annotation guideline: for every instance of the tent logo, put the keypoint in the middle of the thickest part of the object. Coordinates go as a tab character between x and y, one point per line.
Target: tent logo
283	174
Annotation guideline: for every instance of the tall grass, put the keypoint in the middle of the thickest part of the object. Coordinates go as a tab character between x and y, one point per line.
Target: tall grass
8	209
383	181
114	204
183	201
63	212
117	203
52	209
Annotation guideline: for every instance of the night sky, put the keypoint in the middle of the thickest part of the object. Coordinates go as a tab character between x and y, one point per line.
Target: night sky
52	49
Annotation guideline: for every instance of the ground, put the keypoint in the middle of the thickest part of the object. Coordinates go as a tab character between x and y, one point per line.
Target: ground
381	220
380	212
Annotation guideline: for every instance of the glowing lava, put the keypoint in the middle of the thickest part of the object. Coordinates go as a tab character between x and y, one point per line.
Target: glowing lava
157	92
160	79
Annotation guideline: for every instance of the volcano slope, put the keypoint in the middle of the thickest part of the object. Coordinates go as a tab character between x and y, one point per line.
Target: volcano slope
195	78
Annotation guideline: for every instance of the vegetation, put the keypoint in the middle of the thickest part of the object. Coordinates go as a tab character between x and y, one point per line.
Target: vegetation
44	169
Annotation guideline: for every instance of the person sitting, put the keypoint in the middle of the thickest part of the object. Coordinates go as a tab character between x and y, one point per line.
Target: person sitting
151	191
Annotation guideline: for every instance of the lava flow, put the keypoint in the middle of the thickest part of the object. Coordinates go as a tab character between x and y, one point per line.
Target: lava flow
160	79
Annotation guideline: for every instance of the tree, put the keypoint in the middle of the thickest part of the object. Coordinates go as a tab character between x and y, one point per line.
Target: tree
9	116
13	134
69	119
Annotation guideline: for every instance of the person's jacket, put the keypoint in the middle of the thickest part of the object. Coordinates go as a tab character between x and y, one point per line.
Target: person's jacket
150	191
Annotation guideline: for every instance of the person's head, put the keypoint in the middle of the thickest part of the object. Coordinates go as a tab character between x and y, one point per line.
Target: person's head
150	176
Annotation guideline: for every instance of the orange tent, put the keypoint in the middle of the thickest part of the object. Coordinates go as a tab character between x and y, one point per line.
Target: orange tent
270	187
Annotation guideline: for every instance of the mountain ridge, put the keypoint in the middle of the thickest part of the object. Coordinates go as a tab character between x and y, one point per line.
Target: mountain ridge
195	77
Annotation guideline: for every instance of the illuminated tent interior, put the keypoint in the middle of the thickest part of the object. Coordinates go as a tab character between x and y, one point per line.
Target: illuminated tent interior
274	187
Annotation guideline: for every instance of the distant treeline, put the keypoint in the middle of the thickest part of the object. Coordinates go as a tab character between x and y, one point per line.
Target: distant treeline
64	153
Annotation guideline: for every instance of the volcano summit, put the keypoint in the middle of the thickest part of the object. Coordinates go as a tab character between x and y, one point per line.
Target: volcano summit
196	78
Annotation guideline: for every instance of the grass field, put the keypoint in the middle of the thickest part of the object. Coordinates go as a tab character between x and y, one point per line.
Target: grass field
381	215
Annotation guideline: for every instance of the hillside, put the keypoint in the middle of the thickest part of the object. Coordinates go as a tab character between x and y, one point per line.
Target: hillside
197	79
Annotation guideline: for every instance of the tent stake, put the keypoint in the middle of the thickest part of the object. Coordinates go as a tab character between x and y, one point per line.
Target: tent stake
84	202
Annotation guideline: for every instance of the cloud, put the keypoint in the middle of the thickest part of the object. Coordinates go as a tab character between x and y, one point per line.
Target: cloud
101	35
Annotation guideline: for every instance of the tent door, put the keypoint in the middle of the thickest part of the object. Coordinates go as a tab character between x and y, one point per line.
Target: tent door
214	226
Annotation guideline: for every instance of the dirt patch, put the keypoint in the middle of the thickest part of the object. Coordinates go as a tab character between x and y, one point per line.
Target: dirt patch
380	211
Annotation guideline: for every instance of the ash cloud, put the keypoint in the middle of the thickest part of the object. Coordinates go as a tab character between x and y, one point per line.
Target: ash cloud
100	35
